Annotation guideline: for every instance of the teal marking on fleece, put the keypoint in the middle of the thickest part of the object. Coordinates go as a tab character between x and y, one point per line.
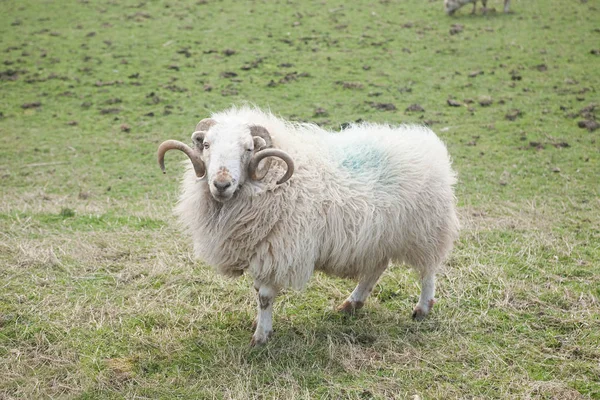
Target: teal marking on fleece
362	158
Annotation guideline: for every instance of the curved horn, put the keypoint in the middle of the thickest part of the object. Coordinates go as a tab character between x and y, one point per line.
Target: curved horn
177	145
258	157
205	124
262	132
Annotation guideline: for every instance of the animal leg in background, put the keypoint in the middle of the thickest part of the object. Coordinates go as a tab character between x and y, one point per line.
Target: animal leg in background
484	6
506	6
426	300
364	288
475	6
264	321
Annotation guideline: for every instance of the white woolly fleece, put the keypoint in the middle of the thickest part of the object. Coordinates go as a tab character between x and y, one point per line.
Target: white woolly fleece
358	198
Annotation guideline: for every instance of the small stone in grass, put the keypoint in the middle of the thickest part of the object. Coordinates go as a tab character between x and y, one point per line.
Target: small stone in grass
485	101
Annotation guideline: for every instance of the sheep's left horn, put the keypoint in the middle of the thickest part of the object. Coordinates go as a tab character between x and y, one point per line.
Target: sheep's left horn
258	157
177	145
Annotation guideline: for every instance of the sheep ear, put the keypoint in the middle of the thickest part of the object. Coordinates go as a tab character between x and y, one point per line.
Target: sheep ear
259	143
262	132
200	132
205	124
198	138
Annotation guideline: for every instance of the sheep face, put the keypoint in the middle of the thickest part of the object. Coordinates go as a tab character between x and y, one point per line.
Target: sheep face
225	155
226	151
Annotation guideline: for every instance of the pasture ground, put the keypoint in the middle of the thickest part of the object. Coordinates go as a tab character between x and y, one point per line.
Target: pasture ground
100	297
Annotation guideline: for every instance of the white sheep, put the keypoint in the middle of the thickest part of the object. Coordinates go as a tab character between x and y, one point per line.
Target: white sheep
348	203
450	6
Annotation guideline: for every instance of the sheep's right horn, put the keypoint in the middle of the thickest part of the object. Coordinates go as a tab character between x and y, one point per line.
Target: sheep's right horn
177	145
259	156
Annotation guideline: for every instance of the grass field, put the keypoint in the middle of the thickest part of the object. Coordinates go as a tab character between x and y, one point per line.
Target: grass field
100	296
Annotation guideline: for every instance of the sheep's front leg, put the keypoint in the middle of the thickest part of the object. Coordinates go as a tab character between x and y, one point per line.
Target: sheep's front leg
264	321
474	7
357	298
426	300
506	6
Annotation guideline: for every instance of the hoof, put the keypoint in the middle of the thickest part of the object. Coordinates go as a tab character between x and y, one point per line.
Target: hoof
259	340
421	312
350	307
418	314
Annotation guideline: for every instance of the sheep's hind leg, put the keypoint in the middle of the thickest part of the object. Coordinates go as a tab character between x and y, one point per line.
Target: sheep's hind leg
484	6
357	299
426	300
264	321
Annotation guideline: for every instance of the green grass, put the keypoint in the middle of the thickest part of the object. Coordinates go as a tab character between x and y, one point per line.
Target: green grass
100	296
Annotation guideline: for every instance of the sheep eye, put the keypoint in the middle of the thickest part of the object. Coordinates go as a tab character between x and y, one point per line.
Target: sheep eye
248	149
206	146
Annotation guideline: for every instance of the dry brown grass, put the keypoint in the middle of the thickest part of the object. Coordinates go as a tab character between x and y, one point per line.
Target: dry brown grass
108	307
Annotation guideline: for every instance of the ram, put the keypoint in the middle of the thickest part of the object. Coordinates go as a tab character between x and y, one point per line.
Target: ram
281	200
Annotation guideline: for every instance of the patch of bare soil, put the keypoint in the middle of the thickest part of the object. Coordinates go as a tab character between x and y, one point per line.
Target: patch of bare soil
383	106
257	62
105	111
415	108
320	112
589	114
589	124
34	104
513	114
456	28
10	75
350	85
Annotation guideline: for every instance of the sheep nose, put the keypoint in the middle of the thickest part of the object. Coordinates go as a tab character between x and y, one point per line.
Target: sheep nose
221	186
